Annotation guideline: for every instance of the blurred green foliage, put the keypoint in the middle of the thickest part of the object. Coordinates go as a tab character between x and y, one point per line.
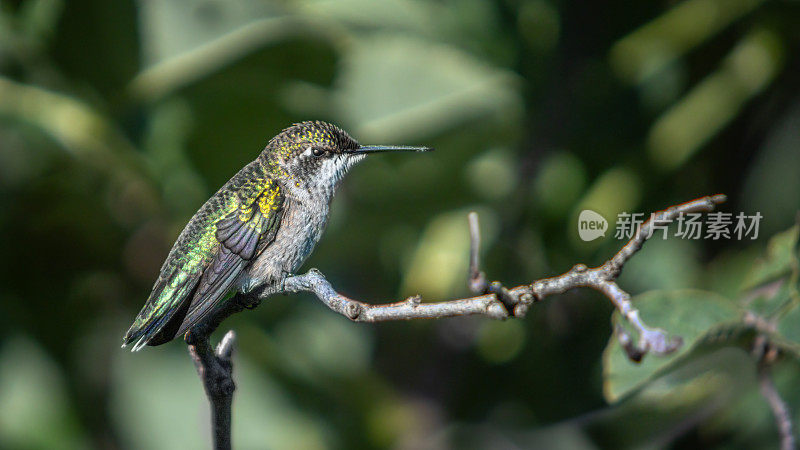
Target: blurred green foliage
118	119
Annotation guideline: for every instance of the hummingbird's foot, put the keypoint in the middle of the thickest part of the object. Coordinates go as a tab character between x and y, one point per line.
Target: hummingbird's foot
286	275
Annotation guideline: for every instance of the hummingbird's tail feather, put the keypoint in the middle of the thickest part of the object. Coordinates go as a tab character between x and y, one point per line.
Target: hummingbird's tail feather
139	344
217	281
167	304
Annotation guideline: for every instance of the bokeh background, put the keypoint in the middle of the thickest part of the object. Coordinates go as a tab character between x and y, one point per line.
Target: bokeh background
119	118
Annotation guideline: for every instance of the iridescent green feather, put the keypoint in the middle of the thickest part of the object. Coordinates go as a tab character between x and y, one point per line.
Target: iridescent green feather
229	230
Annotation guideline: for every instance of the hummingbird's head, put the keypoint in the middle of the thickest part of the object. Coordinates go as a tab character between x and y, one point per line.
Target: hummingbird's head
314	156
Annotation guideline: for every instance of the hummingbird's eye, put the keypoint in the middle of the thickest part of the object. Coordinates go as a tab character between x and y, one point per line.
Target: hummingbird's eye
316	151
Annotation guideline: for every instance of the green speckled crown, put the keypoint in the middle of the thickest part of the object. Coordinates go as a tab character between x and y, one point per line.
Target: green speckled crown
295	139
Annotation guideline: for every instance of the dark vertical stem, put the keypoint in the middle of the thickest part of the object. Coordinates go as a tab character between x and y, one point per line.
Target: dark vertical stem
216	372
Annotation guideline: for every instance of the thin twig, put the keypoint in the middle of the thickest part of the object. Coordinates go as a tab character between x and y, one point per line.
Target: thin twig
779	407
766	353
477	279
216	371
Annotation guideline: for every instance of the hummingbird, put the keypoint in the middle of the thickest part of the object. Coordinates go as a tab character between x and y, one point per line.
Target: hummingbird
253	232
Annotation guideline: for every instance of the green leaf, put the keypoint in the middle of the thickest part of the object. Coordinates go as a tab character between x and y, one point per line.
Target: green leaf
691	314
697	387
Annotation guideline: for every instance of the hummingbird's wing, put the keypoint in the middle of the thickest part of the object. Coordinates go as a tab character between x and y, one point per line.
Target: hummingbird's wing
242	236
231	229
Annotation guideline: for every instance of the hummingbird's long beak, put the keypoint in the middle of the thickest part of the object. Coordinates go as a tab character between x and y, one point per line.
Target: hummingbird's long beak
364	149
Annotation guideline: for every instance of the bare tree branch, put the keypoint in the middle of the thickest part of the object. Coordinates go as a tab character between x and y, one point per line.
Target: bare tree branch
215	370
498	302
411	308
492	300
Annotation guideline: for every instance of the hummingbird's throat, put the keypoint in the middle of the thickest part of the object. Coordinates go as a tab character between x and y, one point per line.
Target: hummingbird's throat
323	179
